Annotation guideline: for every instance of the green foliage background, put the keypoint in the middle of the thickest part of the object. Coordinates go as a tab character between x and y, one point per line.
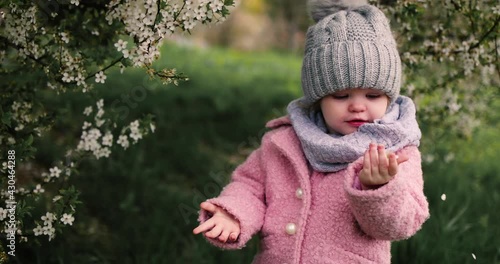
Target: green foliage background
140	205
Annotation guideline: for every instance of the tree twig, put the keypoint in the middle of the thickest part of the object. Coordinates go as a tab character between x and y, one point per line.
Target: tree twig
105	68
492	29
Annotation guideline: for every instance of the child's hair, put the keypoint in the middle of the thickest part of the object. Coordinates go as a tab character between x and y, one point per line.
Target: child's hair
350	46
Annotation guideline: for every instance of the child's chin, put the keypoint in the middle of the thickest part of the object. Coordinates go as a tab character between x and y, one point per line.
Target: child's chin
348	131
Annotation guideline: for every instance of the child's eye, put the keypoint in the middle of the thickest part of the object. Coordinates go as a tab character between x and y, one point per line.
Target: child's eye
340	96
373	96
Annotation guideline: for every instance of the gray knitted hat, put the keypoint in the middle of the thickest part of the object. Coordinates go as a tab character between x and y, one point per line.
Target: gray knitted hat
350	46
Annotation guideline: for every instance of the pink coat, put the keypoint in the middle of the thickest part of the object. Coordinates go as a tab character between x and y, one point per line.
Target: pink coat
305	216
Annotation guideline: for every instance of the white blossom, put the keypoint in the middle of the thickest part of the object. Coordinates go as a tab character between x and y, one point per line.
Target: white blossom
45	176
100	77
87	111
64	37
107	140
121	45
188	25
55	172
99	122
50	231
3	213
16	105
89	139
136	135
216	5
38	189
100	103
496	10
100	113
126	53
86	125
123	141
48	218
80	80
67	78
38	230
134	131
67	219
102	152
134	125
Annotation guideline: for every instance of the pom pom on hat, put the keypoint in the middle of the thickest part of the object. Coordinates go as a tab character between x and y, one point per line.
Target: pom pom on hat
322	8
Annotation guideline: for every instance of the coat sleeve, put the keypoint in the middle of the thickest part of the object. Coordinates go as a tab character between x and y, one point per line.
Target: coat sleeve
396	210
243	198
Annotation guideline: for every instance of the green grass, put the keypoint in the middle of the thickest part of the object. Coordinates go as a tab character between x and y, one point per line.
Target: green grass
140	205
466	222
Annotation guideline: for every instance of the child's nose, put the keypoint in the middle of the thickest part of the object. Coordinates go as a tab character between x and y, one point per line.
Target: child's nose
356	106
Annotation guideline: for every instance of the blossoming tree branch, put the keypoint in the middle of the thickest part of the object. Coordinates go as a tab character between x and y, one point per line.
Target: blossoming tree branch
451	52
54	47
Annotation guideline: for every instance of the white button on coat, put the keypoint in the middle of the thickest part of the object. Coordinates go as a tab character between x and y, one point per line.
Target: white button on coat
299	193
291	228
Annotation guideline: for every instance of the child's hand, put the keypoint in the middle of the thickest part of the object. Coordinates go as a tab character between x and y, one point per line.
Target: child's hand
378	167
220	226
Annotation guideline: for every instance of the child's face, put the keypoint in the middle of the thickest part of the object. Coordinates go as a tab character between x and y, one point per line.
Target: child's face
346	110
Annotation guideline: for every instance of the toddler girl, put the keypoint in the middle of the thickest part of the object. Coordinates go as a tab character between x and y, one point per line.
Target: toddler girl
340	176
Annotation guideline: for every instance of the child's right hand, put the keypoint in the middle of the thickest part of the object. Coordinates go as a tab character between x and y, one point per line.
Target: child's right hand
378	167
221	225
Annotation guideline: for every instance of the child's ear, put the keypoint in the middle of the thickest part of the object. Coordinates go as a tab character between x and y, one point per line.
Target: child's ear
317	105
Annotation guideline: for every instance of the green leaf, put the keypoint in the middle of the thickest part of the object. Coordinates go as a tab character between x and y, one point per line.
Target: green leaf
29	141
6	118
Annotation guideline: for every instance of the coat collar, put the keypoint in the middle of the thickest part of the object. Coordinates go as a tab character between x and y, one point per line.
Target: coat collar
287	142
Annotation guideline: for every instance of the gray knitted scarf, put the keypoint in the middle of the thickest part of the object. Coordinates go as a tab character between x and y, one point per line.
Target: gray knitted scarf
333	152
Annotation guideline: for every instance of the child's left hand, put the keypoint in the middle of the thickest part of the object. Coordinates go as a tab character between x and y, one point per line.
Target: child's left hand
221	225
378	167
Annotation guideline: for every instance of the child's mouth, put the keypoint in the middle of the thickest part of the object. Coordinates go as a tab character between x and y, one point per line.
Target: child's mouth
356	123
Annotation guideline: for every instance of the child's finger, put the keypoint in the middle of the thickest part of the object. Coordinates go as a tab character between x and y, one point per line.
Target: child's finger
402	158
233	236
215	232
367	163
204	227
374	159
208	206
393	164
224	236
382	160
